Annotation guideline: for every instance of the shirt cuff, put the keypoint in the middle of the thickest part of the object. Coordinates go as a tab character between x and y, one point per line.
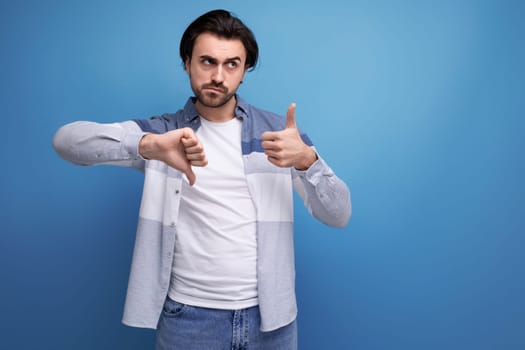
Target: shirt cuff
130	144
316	171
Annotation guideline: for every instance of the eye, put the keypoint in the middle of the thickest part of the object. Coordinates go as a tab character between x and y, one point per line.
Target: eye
232	64
206	61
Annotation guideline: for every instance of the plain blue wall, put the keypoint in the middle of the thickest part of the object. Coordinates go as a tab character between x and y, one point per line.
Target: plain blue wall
417	105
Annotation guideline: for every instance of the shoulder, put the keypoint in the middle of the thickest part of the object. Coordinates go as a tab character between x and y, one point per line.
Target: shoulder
262	118
162	123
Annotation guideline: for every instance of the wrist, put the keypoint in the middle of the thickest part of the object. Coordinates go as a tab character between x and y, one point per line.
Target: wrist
307	161
146	146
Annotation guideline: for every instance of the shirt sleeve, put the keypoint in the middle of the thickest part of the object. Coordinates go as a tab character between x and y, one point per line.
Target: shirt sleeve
90	143
325	195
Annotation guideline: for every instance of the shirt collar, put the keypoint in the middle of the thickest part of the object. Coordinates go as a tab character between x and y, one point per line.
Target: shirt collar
190	113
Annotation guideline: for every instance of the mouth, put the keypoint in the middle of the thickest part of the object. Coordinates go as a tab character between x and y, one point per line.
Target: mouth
215	89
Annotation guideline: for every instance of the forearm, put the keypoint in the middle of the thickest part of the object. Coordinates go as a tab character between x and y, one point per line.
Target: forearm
326	196
90	143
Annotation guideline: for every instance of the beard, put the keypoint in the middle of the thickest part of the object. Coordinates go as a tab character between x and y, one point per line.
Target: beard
212	99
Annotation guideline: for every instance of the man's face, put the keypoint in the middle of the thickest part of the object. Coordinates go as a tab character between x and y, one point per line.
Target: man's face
216	69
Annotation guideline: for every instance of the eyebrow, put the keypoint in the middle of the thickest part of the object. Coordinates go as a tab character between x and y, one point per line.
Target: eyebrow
213	59
236	58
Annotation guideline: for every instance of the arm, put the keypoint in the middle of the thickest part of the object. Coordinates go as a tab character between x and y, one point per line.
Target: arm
324	194
125	144
90	143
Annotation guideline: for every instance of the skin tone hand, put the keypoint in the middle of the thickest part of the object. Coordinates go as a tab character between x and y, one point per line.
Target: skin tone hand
178	148
285	148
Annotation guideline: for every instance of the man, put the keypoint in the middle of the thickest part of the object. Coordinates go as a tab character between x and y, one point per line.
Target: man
213	266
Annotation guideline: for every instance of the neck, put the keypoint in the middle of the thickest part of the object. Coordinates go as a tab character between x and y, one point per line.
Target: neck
217	114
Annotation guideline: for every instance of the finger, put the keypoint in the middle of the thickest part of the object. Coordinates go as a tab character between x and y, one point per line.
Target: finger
199	163
271	145
188	137
196	157
190	175
290	117
277	162
271	154
194	149
188	132
189	141
270	135
272	159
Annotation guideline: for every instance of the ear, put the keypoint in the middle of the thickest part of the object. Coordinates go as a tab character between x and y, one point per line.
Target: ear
244	73
187	64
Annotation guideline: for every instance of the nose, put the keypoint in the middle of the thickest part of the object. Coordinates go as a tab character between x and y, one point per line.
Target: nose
218	75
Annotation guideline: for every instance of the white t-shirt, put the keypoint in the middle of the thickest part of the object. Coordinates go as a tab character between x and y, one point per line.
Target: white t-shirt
216	248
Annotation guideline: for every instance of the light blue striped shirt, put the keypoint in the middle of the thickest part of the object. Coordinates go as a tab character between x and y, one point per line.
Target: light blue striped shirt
324	194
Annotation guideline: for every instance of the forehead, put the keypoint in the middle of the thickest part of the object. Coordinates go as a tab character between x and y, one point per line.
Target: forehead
208	44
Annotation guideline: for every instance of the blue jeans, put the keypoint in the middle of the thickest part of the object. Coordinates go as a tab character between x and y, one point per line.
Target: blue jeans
184	327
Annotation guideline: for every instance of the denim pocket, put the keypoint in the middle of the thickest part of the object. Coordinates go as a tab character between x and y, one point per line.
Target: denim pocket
172	308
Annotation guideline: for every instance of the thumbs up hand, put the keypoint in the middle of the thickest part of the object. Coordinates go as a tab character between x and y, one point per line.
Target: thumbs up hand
285	148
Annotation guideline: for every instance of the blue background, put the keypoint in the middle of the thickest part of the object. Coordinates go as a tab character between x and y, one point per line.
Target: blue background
417	105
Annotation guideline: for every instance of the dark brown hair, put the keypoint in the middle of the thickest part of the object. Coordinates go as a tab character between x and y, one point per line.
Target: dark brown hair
225	25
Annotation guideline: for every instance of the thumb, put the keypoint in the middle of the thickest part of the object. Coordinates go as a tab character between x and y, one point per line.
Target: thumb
190	175
290	117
